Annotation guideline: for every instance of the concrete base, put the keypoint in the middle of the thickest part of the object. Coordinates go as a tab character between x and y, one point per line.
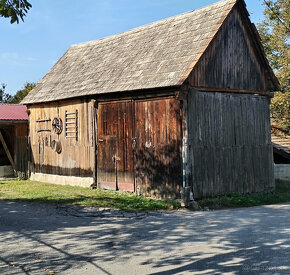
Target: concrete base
282	172
62	180
6	171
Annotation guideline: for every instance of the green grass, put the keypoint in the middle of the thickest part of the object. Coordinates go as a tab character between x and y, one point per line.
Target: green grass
31	191
280	195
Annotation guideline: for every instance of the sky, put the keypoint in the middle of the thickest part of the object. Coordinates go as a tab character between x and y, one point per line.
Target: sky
28	50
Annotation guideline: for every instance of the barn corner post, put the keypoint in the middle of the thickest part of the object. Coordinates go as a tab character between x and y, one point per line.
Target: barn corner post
95	145
272	185
28	146
186	190
134	142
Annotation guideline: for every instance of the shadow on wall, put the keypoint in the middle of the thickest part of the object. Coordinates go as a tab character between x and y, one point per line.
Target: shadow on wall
210	242
159	170
57	170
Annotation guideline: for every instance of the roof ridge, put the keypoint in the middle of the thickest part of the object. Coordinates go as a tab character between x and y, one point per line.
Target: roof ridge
154	23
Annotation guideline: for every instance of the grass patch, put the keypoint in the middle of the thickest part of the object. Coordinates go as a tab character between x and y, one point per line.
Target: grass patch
31	191
280	195
37	192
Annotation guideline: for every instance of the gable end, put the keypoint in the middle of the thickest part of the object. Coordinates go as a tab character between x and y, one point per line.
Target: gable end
234	59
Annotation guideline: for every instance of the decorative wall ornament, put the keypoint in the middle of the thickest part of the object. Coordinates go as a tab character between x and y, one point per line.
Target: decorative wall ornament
57	125
71	124
43	125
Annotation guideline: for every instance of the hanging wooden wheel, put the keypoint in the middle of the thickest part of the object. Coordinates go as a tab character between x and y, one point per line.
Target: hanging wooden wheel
57	125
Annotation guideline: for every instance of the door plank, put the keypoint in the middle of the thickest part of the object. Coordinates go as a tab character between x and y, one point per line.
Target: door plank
158	151
115	152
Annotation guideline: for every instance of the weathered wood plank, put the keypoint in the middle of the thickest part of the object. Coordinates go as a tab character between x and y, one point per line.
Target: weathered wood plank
231	61
77	156
229	141
7	152
158	149
115	135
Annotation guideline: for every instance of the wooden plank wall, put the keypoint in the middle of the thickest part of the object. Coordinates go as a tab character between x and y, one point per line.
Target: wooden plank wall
115	145
77	155
230	143
158	147
231	61
21	149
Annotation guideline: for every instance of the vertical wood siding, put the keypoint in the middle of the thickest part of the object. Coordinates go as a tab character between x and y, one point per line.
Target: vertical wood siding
115	152
230	143
146	137
231	61
21	148
77	155
158	148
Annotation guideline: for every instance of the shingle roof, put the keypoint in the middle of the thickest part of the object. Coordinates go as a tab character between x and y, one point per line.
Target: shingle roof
159	54
281	143
13	112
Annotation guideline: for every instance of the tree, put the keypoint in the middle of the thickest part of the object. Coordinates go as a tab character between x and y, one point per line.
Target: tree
275	34
2	91
4	97
274	31
17	98
14	9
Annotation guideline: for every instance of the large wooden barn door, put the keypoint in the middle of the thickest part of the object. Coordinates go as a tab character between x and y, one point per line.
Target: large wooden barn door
158	147
115	169
139	146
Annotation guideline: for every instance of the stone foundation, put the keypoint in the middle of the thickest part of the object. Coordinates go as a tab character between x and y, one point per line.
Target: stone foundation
282	172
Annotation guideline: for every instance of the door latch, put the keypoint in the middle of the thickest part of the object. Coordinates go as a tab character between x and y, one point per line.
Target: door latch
115	158
134	143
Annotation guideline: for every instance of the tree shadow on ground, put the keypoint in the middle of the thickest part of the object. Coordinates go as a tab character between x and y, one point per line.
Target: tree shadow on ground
39	238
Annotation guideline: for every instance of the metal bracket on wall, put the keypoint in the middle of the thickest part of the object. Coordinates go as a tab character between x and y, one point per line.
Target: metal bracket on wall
41	127
71	124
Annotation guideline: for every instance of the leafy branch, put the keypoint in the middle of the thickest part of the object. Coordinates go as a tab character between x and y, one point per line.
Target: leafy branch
14	9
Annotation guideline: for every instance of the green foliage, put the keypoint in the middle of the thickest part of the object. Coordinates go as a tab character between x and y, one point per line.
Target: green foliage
17	98
14	9
57	194
4	97
274	31
281	194
280	110
2	91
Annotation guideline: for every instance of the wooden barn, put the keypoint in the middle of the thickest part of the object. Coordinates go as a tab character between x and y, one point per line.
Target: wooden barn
176	103
13	140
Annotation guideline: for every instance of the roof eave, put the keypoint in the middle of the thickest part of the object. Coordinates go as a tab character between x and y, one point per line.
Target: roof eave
131	93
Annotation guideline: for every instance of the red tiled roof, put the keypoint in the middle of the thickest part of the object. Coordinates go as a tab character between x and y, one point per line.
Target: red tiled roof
13	112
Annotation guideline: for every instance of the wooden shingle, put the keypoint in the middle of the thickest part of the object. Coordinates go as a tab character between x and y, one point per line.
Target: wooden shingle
157	55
